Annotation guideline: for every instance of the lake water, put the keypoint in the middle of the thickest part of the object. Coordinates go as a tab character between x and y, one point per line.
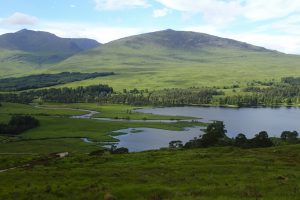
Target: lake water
142	139
249	121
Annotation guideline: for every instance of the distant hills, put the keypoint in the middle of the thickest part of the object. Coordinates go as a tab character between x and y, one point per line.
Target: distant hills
161	59
44	42
38	48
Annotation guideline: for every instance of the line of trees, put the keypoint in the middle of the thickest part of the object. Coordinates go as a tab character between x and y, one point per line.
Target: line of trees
105	94
18	124
60	95
215	135
166	97
275	94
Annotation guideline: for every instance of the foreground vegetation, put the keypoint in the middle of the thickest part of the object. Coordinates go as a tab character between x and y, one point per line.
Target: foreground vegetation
209	174
30	168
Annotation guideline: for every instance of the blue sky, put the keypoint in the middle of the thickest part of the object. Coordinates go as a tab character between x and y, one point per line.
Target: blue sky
273	24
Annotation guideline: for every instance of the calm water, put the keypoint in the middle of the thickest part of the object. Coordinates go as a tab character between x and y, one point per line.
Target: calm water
142	139
240	120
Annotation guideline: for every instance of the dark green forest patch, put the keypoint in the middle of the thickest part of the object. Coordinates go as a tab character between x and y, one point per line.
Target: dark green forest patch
46	80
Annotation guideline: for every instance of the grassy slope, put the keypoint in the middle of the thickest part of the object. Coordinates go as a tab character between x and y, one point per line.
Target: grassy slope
156	67
13	65
14	108
159	60
206	174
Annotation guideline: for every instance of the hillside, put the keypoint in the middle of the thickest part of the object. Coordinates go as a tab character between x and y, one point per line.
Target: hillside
163	59
208	174
167	59
27	49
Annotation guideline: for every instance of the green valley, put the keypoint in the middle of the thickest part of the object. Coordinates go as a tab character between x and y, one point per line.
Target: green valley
166	115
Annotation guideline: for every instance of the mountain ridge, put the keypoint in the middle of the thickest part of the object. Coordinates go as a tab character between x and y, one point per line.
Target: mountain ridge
39	48
167	59
189	40
36	41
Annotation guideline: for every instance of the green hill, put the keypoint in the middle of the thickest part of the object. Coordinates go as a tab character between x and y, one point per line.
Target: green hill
167	59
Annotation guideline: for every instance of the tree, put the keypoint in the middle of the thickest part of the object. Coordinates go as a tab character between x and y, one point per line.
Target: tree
121	150
261	140
215	135
215	132
241	140
19	124
290	136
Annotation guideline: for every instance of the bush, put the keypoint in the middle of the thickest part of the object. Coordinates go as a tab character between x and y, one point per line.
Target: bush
121	150
98	152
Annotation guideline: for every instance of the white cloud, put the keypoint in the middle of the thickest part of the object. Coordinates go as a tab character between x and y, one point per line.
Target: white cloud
224	11
213	11
73	6
161	12
289	25
264	10
119	4
20	19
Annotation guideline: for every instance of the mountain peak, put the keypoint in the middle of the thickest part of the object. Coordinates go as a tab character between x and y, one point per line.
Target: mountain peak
22	30
48	45
41	41
187	40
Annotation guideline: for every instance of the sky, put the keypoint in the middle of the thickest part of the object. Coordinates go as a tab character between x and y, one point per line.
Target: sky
272	24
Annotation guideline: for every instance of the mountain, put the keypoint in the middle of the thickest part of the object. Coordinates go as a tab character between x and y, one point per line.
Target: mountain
168	58
37	48
184	40
44	42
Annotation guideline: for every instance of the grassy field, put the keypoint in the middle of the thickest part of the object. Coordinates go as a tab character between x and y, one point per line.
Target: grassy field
14	108
116	111
208	174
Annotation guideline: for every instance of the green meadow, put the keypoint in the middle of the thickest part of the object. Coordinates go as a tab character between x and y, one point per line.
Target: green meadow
209	174
116	111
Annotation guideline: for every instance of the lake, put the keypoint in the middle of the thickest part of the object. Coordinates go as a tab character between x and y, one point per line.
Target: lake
249	121
142	139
